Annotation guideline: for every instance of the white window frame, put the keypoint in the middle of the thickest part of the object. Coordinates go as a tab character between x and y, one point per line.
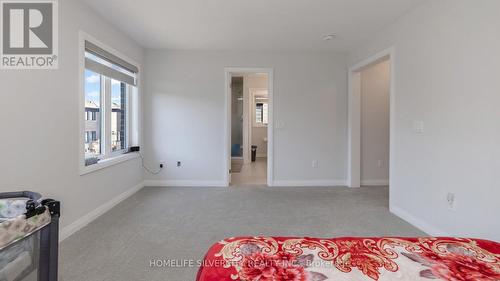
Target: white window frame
108	157
108	150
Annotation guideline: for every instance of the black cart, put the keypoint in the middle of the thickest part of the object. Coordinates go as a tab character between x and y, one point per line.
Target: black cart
29	237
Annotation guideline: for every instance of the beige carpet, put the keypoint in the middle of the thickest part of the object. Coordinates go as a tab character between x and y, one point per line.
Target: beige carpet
182	223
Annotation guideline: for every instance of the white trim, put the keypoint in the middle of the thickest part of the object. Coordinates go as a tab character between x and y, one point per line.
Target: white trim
418	222
173	183
309	183
247	130
104	163
227	128
375	182
108	112
354	126
226	160
110	159
354	130
97	212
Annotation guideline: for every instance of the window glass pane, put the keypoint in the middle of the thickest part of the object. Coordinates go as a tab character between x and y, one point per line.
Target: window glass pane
118	115
93	109
258	112
265	109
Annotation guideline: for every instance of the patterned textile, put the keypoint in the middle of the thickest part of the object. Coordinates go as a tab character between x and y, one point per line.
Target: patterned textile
19	227
11	208
387	258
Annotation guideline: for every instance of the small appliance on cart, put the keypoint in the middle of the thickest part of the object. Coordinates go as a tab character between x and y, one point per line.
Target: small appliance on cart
29	237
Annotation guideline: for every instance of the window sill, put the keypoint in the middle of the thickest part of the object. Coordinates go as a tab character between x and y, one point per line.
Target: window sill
259	126
108	162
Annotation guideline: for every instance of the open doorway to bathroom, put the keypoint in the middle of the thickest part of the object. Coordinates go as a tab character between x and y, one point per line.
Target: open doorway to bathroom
250	126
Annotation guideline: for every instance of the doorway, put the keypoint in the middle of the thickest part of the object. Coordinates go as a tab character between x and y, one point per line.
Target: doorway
249	126
371	115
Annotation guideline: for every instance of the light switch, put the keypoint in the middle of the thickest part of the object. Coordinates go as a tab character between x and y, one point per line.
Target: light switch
418	127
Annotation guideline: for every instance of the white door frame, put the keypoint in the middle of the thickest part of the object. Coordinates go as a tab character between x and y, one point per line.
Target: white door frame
354	127
228	72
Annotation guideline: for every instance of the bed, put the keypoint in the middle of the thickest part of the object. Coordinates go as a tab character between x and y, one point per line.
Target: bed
348	258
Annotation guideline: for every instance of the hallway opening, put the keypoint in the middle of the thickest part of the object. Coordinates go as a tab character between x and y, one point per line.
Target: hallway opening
249	118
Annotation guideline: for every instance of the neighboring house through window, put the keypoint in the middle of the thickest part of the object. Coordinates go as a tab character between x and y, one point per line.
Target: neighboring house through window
109	81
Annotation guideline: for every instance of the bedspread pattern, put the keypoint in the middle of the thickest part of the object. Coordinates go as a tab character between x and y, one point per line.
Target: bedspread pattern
18	227
313	259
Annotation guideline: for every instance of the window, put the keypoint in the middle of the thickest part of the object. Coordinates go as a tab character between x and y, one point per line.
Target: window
90	136
90	115
93	101
118	114
109	80
261	111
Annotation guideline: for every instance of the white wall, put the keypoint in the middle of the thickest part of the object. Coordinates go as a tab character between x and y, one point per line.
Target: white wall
258	136
184	114
39	124
375	90
447	59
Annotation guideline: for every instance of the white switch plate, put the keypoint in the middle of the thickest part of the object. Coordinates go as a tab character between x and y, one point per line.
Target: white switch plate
451	200
418	127
314	164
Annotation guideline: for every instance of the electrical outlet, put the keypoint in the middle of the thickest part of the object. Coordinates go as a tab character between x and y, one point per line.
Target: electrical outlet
379	163
451	200
179	163
314	164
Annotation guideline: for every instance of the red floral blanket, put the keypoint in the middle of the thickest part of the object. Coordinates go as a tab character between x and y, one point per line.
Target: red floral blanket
314	259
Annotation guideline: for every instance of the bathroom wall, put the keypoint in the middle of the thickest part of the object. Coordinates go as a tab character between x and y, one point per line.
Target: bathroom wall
258	135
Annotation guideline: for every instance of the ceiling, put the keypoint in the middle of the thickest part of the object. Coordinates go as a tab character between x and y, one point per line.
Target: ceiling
251	24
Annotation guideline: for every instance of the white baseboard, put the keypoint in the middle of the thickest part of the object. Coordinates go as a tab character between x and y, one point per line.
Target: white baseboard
211	183
417	222
375	182
309	183
94	214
